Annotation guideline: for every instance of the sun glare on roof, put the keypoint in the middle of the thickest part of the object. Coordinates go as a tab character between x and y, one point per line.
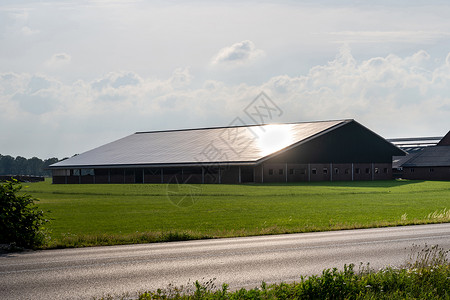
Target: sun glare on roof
274	137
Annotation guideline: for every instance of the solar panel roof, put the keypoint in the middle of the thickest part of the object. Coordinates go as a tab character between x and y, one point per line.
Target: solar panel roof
239	144
437	156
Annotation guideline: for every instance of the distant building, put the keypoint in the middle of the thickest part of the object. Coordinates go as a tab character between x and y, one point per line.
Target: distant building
430	163
411	146
295	152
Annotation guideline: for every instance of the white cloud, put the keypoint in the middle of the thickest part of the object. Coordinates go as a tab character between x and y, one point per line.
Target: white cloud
392	95
33	94
29	31
237	53
181	77
117	80
447	60
59	60
401	36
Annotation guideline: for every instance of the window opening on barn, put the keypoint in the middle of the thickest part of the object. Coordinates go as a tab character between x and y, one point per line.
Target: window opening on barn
431	170
367	170
280	171
357	170
61	172
376	171
291	171
85	172
152	171
385	170
325	171
314	171
412	170
270	171
336	171
347	171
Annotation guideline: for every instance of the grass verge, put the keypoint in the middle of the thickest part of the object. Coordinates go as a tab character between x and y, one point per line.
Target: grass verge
90	215
426	276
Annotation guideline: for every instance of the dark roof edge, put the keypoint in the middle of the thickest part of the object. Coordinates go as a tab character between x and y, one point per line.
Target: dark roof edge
236	126
424	138
175	165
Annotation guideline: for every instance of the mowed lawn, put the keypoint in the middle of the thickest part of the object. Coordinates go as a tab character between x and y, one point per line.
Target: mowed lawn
113	214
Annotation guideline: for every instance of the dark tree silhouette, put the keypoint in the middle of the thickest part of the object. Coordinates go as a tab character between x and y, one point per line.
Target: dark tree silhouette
22	166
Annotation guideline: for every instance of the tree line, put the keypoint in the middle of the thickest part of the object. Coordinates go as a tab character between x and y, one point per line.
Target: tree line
23	166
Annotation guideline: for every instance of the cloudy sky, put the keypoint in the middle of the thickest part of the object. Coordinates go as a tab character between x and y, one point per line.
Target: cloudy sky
77	74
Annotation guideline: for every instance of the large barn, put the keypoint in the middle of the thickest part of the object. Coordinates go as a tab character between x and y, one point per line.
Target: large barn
294	152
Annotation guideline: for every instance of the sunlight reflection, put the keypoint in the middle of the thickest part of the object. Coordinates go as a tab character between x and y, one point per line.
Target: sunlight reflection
275	137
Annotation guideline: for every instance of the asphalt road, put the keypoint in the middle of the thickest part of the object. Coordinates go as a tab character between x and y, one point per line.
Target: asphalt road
240	262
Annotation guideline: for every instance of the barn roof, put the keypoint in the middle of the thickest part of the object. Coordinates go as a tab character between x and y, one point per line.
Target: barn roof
221	145
437	156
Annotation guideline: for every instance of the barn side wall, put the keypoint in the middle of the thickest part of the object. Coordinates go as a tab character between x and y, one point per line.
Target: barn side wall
426	173
263	173
288	172
188	175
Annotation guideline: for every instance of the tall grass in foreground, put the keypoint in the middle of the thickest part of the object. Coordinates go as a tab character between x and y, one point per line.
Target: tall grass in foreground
440	215
425	276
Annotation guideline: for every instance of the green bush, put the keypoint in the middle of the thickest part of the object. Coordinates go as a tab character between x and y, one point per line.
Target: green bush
21	222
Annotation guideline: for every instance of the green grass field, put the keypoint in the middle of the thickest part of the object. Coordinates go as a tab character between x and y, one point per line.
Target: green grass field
115	214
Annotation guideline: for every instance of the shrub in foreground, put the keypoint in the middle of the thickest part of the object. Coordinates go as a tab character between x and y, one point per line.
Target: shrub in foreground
21	222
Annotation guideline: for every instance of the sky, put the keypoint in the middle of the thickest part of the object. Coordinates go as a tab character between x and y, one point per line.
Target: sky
75	75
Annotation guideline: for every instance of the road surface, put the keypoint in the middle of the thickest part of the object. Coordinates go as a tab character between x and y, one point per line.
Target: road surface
240	262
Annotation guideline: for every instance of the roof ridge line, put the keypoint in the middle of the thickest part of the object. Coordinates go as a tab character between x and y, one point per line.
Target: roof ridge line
237	126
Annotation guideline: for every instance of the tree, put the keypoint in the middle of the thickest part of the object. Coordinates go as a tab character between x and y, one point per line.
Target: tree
21	221
35	166
6	164
20	166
